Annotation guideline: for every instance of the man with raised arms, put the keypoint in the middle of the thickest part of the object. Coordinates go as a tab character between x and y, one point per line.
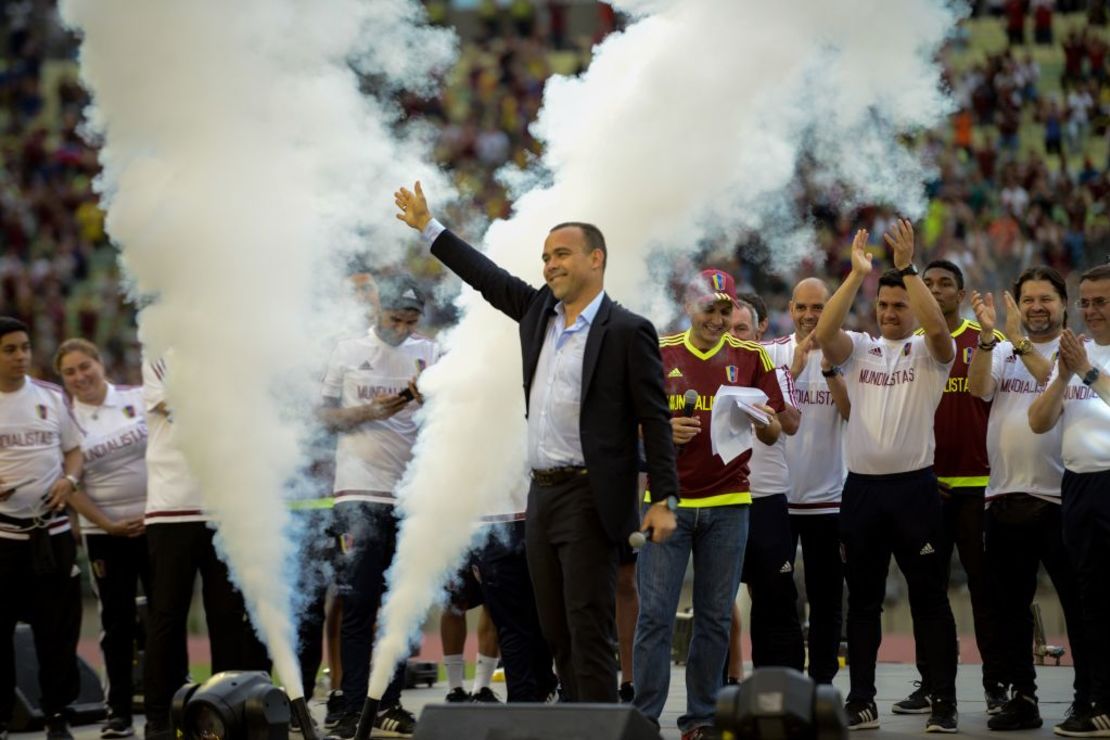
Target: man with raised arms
890	504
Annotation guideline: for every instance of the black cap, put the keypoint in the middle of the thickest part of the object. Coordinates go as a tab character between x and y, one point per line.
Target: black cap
400	293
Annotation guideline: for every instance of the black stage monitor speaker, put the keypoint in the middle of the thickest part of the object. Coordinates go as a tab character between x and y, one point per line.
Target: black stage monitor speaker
27	713
533	722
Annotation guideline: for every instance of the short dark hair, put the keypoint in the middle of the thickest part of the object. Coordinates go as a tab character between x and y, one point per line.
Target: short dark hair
892	279
594	238
949	266
757	303
1099	272
9	325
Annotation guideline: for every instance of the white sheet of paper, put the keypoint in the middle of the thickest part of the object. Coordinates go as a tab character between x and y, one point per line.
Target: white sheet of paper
730	423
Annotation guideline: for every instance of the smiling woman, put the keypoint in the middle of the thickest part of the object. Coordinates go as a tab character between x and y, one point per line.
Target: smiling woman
112	425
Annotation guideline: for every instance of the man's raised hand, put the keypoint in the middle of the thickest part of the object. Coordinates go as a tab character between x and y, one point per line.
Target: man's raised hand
983	306
900	240
413	206
1013	317
861	258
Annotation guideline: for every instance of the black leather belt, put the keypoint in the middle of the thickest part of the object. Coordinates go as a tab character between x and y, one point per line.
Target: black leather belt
557	476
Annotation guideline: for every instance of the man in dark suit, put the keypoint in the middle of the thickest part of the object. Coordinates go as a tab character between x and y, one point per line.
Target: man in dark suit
593	379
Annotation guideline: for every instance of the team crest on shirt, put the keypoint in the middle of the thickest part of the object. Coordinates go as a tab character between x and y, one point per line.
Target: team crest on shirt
732	373
129	412
967	355
42	411
906	349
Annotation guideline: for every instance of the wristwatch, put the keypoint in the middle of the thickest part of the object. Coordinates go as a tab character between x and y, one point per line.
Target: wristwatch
670	501
989	346
910	269
1092	376
1023	347
73	481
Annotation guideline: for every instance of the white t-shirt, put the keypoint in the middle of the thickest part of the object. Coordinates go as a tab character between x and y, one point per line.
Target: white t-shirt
370	460
36	429
113	445
815	453
1021	461
1086	418
768	472
173	494
895	386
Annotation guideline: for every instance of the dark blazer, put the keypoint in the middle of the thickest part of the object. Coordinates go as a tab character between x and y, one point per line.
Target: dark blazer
622	384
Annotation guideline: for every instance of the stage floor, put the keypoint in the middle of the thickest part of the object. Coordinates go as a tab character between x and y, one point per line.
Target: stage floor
895	681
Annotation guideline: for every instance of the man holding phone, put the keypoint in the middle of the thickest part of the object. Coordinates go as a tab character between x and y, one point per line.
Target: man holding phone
369	394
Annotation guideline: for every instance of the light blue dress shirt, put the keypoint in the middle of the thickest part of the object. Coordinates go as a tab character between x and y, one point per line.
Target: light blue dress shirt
555	403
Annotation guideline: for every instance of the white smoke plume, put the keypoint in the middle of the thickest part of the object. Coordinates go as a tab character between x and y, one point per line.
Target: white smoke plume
689	123
241	165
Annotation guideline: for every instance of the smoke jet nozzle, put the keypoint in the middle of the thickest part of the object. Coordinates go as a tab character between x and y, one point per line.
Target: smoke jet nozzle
366	720
300	710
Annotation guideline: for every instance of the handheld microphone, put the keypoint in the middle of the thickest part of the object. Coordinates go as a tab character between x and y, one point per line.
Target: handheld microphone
691	399
636	540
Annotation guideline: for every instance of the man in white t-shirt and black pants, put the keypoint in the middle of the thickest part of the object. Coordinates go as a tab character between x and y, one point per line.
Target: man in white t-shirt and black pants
815	459
180	536
1078	398
40	465
1022	526
369	391
776	632
891	505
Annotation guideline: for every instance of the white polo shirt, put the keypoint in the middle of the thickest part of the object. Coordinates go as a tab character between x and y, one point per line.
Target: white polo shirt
895	386
36	429
173	494
1021	461
370	460
113	444
1086	418
815	453
768	474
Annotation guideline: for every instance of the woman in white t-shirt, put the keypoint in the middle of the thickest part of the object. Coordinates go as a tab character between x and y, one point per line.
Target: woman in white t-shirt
113	429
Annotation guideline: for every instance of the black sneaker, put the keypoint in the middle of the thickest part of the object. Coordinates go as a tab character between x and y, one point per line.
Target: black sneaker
345	728
1020	713
916	703
862	715
155	730
457	695
485	695
117	726
334	709
943	718
57	728
996	697
627	693
1084	722
395	721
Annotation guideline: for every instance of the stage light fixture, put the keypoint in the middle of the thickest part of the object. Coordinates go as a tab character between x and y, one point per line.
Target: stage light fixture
233	705
781	704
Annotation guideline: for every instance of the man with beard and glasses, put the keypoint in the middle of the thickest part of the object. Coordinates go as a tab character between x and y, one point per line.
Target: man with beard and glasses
1077	399
1023	524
